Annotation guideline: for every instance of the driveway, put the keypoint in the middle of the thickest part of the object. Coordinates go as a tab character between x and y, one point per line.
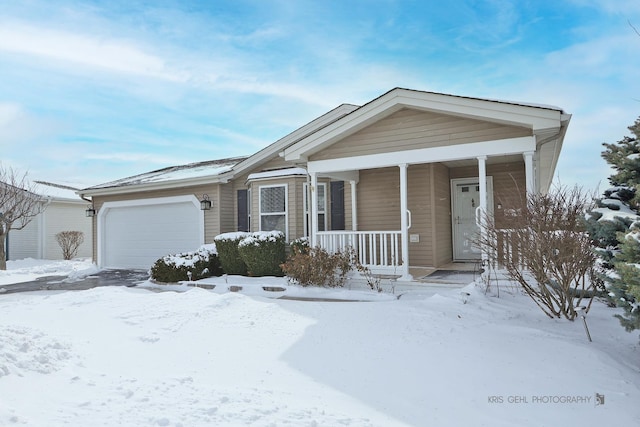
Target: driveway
103	278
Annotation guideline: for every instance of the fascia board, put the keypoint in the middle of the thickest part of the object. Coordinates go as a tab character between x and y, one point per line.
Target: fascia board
166	185
426	155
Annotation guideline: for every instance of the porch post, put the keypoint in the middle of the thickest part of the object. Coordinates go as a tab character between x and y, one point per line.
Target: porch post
404	223
528	172
354	206
482	209
313	220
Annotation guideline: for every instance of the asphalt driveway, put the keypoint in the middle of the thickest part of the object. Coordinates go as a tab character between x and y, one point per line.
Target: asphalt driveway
103	278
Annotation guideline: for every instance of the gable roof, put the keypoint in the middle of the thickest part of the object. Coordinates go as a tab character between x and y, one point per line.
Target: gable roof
545	121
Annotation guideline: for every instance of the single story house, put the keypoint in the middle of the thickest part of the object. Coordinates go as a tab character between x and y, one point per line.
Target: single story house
402	179
63	210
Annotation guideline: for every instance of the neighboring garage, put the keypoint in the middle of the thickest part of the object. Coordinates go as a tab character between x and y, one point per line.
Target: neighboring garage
134	234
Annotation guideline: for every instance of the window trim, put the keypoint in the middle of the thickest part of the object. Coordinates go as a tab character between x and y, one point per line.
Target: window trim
286	207
305	207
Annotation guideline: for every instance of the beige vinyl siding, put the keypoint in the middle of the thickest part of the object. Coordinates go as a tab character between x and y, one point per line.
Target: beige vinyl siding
410	129
441	218
348	215
60	216
419	203
227	207
275	163
379	200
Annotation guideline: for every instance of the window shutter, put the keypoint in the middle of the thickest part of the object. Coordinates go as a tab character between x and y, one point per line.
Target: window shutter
243	210
337	205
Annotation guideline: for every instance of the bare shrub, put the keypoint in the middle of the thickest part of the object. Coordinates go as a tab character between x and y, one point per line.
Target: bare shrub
317	267
70	241
547	251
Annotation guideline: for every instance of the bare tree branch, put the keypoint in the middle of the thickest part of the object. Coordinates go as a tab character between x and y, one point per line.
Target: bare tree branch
541	243
19	204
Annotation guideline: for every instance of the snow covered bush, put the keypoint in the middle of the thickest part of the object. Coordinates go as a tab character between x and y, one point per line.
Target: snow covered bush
230	259
263	252
299	245
549	252
317	267
175	268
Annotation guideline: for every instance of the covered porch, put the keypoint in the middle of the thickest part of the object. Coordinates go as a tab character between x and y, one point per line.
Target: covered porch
424	169
423	200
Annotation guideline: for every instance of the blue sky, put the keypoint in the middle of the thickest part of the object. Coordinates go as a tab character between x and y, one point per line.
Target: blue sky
96	91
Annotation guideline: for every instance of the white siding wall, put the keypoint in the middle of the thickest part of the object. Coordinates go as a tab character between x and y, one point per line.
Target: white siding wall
25	243
38	239
65	217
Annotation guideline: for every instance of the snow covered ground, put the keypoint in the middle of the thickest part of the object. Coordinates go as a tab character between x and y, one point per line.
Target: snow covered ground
193	357
29	269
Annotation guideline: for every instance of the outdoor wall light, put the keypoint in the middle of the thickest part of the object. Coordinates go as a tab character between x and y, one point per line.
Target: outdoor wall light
205	203
90	212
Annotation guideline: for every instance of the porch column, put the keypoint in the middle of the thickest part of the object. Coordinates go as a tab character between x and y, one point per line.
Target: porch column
404	223
481	211
313	220
354	206
528	172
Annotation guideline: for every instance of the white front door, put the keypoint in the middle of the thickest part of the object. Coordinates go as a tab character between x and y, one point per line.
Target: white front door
465	200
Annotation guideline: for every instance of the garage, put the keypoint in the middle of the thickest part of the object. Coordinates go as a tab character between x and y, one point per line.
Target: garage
134	234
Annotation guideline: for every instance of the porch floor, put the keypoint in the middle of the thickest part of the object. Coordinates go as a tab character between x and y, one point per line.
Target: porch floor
454	273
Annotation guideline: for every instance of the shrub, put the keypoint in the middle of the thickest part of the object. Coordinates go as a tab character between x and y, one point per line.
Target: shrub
174	268
551	255
317	267
300	245
263	252
70	241
230	259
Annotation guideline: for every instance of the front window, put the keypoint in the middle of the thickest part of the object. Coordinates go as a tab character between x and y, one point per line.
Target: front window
273	208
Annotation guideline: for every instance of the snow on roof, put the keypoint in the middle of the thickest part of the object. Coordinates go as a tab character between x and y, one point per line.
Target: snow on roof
277	173
208	168
56	191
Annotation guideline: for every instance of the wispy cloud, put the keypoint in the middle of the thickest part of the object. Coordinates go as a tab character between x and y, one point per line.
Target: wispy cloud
84	50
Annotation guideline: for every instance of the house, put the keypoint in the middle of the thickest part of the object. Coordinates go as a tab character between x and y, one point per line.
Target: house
402	179
64	210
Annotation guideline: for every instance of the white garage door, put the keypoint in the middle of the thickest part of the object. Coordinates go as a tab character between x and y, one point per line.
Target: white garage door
136	236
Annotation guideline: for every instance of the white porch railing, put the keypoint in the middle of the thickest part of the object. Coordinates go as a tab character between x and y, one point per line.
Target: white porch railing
380	251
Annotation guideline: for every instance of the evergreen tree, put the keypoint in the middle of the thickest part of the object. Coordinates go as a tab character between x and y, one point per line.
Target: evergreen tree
624	158
624	285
